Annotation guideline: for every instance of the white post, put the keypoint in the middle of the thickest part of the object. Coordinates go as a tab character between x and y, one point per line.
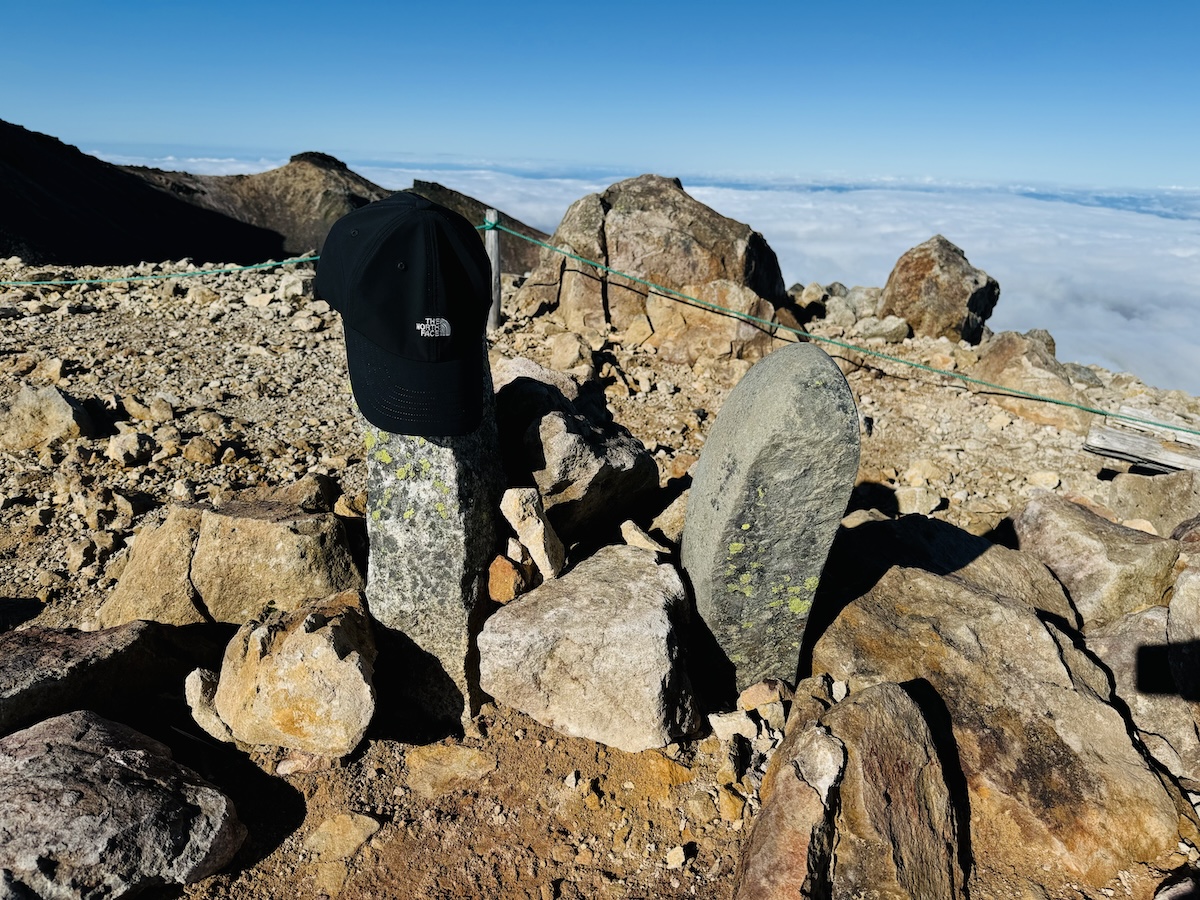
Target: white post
491	242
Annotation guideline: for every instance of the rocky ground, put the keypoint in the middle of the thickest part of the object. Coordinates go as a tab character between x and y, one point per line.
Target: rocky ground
239	379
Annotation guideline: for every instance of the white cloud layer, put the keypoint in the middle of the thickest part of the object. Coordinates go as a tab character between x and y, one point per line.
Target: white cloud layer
1115	277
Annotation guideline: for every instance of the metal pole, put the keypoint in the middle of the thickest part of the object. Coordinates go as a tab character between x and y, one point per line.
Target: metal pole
491	242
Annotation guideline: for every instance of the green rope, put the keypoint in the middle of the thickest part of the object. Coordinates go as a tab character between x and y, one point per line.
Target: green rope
747	317
161	275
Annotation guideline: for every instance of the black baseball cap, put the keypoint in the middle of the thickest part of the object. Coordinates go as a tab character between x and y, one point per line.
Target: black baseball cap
413	284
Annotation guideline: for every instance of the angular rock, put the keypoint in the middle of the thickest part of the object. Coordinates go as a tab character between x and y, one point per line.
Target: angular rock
91	808
131	448
37	417
301	679
439	769
648	227
892	329
1058	794
939	293
596	653
1135	649
1183	635
893	821
772	483
1014	361
559	436
48	671
253	555
200	691
1165	501
861	554
1107	569
522	507
432	525
156	581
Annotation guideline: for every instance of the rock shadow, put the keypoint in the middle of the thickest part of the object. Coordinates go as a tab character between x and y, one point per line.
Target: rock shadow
417	701
861	555
937	717
15	611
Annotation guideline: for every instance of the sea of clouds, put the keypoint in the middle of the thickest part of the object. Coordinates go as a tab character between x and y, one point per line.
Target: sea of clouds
1114	276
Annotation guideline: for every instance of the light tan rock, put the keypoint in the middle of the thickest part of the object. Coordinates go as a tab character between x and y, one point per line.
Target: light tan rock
1107	569
439	769
156	582
253	555
340	837
1014	361
301	679
1058	794
200	690
38	417
522	508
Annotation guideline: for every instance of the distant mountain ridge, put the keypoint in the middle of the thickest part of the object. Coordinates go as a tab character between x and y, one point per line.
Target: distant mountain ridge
59	205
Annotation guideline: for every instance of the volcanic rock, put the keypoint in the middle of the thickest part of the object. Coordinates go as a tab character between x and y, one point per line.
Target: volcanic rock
937	292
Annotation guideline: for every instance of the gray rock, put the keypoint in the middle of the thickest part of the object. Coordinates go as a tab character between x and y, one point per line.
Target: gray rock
864	300
769	491
839	312
1136	650
251	555
885	807
1107	569
559	436
596	653
432	525
48	671
37	417
301	679
91	808
1052	777
939	293
893	329
1165	501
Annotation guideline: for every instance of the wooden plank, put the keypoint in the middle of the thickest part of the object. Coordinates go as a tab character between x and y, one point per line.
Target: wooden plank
1163	427
1141	447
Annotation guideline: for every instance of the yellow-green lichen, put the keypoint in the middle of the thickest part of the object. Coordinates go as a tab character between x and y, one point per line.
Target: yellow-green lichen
745	590
798	606
745	526
745	579
384	457
376	514
409	513
369	440
735	548
426	465
441	510
811	582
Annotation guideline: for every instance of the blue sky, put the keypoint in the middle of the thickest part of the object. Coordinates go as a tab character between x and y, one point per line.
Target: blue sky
1091	94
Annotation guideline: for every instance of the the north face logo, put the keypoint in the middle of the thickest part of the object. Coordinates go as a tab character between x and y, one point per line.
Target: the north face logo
434	328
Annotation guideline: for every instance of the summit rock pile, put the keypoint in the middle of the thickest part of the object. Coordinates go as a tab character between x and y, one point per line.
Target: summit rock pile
993	694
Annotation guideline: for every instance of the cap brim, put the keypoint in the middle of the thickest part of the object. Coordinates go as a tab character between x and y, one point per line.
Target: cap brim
404	396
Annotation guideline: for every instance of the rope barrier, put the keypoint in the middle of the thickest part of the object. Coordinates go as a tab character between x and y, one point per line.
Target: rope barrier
808	336
162	275
671	294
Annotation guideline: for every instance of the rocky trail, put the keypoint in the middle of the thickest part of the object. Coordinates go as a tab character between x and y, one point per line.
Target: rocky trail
197	390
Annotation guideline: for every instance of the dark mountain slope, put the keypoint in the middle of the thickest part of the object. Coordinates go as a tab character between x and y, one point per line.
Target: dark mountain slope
58	205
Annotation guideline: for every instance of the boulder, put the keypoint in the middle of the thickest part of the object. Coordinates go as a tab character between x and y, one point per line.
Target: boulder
558	435
770	488
1135	649
650	228
884	805
48	671
862	553
253	555
91	808
432	523
596	652
1023	364
301	679
156	582
938	293
37	417
1165	501
1058	794
1108	570
1183	637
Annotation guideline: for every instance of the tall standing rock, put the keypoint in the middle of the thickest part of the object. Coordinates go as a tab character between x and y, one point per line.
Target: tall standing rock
432	528
939	293
769	491
649	227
